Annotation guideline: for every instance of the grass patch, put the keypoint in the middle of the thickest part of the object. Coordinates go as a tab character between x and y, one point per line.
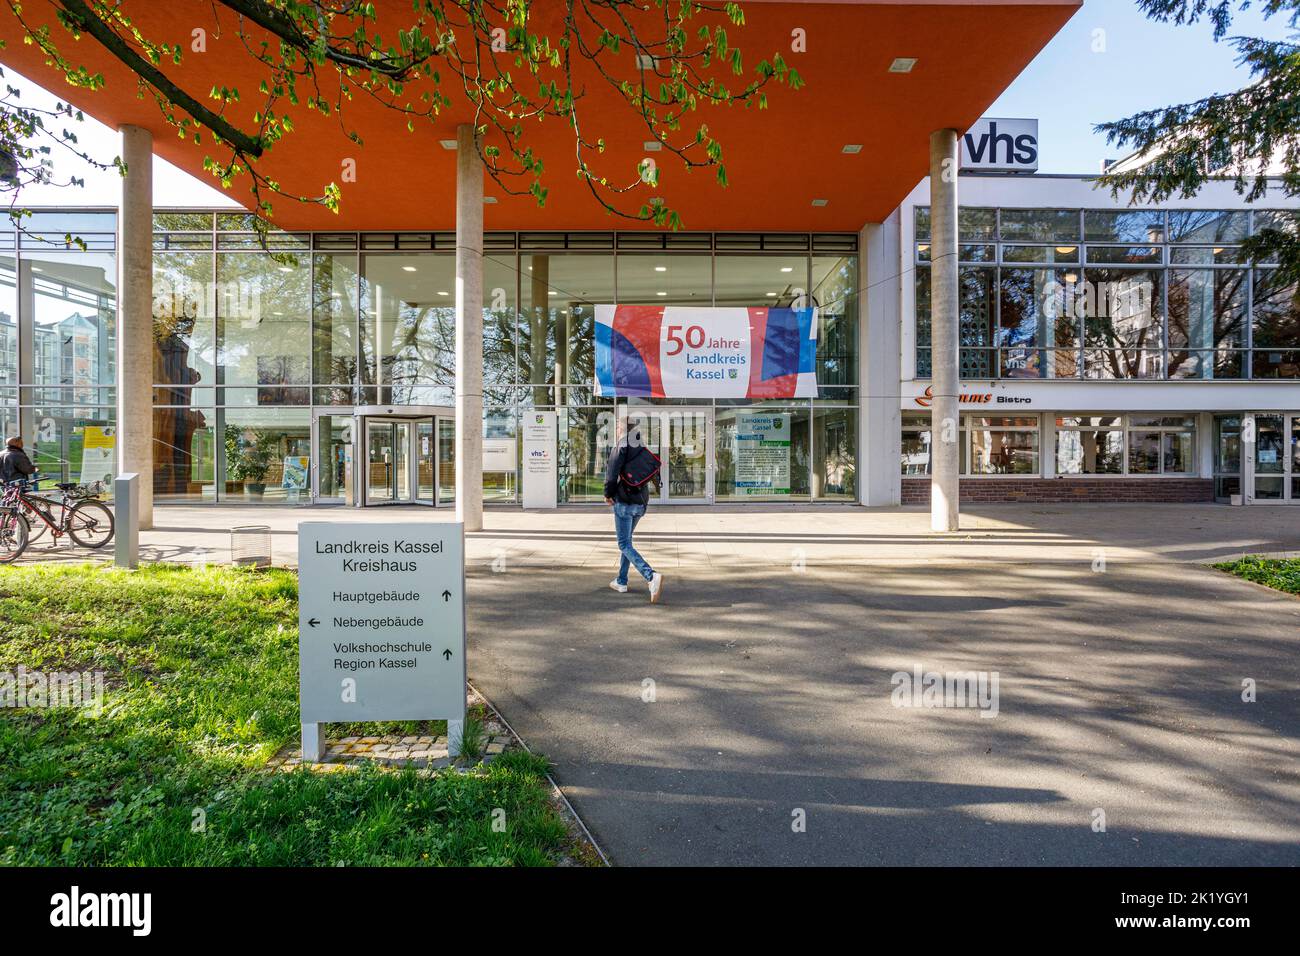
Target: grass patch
201	668
1282	574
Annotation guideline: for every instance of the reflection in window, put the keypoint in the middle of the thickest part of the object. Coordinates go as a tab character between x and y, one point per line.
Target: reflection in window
73	323
182	323
264	325
1207	321
559	295
1090	445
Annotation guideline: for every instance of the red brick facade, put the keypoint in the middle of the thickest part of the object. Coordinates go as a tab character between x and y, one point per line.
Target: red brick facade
916	491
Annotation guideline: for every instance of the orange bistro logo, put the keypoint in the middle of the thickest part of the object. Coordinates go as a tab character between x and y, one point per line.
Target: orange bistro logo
926	399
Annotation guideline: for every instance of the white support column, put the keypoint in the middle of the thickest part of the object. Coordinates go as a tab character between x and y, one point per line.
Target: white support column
469	330
135	319
945	430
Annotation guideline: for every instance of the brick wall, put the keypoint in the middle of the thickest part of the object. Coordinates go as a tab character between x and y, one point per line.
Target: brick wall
916	491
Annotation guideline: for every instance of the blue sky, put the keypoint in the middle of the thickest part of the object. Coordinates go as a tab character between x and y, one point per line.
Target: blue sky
1069	88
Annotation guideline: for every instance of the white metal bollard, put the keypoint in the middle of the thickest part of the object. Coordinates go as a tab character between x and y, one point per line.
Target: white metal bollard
126	509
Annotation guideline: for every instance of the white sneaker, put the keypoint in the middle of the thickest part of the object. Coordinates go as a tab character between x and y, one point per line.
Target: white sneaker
615	586
656	587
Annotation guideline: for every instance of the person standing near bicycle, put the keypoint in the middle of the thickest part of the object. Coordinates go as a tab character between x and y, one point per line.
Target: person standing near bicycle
14	463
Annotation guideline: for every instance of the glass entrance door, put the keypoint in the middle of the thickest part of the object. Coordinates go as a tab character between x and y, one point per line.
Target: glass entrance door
388	479
401	461
682	437
332	481
1275	464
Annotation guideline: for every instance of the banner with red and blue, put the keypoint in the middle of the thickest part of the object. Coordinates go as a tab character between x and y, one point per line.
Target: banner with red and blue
670	351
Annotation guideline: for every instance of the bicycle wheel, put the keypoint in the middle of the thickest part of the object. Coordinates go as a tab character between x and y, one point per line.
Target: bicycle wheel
13	536
90	524
35	528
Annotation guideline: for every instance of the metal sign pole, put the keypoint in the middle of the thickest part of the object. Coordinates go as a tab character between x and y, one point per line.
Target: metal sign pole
126	510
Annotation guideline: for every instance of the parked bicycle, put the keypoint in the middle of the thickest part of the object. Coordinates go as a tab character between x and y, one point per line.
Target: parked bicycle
77	512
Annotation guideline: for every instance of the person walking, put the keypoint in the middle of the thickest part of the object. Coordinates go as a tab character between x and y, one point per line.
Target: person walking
631	468
14	463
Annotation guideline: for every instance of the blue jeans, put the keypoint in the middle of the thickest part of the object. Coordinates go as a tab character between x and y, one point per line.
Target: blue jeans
625	522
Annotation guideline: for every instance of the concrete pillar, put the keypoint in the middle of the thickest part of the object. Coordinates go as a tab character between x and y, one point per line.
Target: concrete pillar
945	430
469	330
135	349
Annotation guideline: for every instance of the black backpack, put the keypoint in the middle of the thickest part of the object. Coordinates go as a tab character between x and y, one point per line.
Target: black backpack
640	465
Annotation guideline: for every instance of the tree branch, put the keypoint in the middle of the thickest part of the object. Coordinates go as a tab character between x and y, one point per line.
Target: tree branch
114	44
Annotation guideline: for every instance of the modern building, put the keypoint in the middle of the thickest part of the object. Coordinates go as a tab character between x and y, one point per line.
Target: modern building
1105	352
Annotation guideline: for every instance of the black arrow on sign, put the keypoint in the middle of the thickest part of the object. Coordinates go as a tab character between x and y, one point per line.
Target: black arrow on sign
446	595
313	622
447	654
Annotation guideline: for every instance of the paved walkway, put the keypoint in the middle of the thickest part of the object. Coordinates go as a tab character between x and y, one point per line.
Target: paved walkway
1120	659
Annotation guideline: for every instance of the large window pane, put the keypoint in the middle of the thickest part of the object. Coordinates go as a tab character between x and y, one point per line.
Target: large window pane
1037	321
1277	312
1040	225
835	293
73	321
255	444
1123	334
664	279
336	349
184	449
500	324
73	444
1094	447
182	322
8	321
408	302
264	324
1207	225
556	339
1003	446
835	452
752	465
761	280
1125	225
1207	315
587	437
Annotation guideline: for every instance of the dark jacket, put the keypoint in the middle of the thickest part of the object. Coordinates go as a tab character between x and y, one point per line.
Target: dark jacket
15	464
615	487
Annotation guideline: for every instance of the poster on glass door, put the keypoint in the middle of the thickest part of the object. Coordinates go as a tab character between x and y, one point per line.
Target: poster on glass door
762	453
647	351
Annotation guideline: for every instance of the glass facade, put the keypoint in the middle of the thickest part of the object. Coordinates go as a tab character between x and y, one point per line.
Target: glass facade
266	343
1113	294
58	302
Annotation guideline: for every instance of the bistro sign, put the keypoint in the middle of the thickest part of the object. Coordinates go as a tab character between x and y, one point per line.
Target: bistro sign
926	398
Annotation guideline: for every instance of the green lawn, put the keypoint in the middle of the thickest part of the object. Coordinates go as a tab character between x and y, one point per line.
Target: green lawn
202	687
1280	573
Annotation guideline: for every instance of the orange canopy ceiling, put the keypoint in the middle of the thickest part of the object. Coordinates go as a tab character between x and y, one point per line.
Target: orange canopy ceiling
778	160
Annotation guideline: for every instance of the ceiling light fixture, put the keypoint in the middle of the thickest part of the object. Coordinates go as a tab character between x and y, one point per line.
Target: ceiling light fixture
902	64
819	202
448	143
490	200
661	268
652	146
852	149
787	268
408	268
